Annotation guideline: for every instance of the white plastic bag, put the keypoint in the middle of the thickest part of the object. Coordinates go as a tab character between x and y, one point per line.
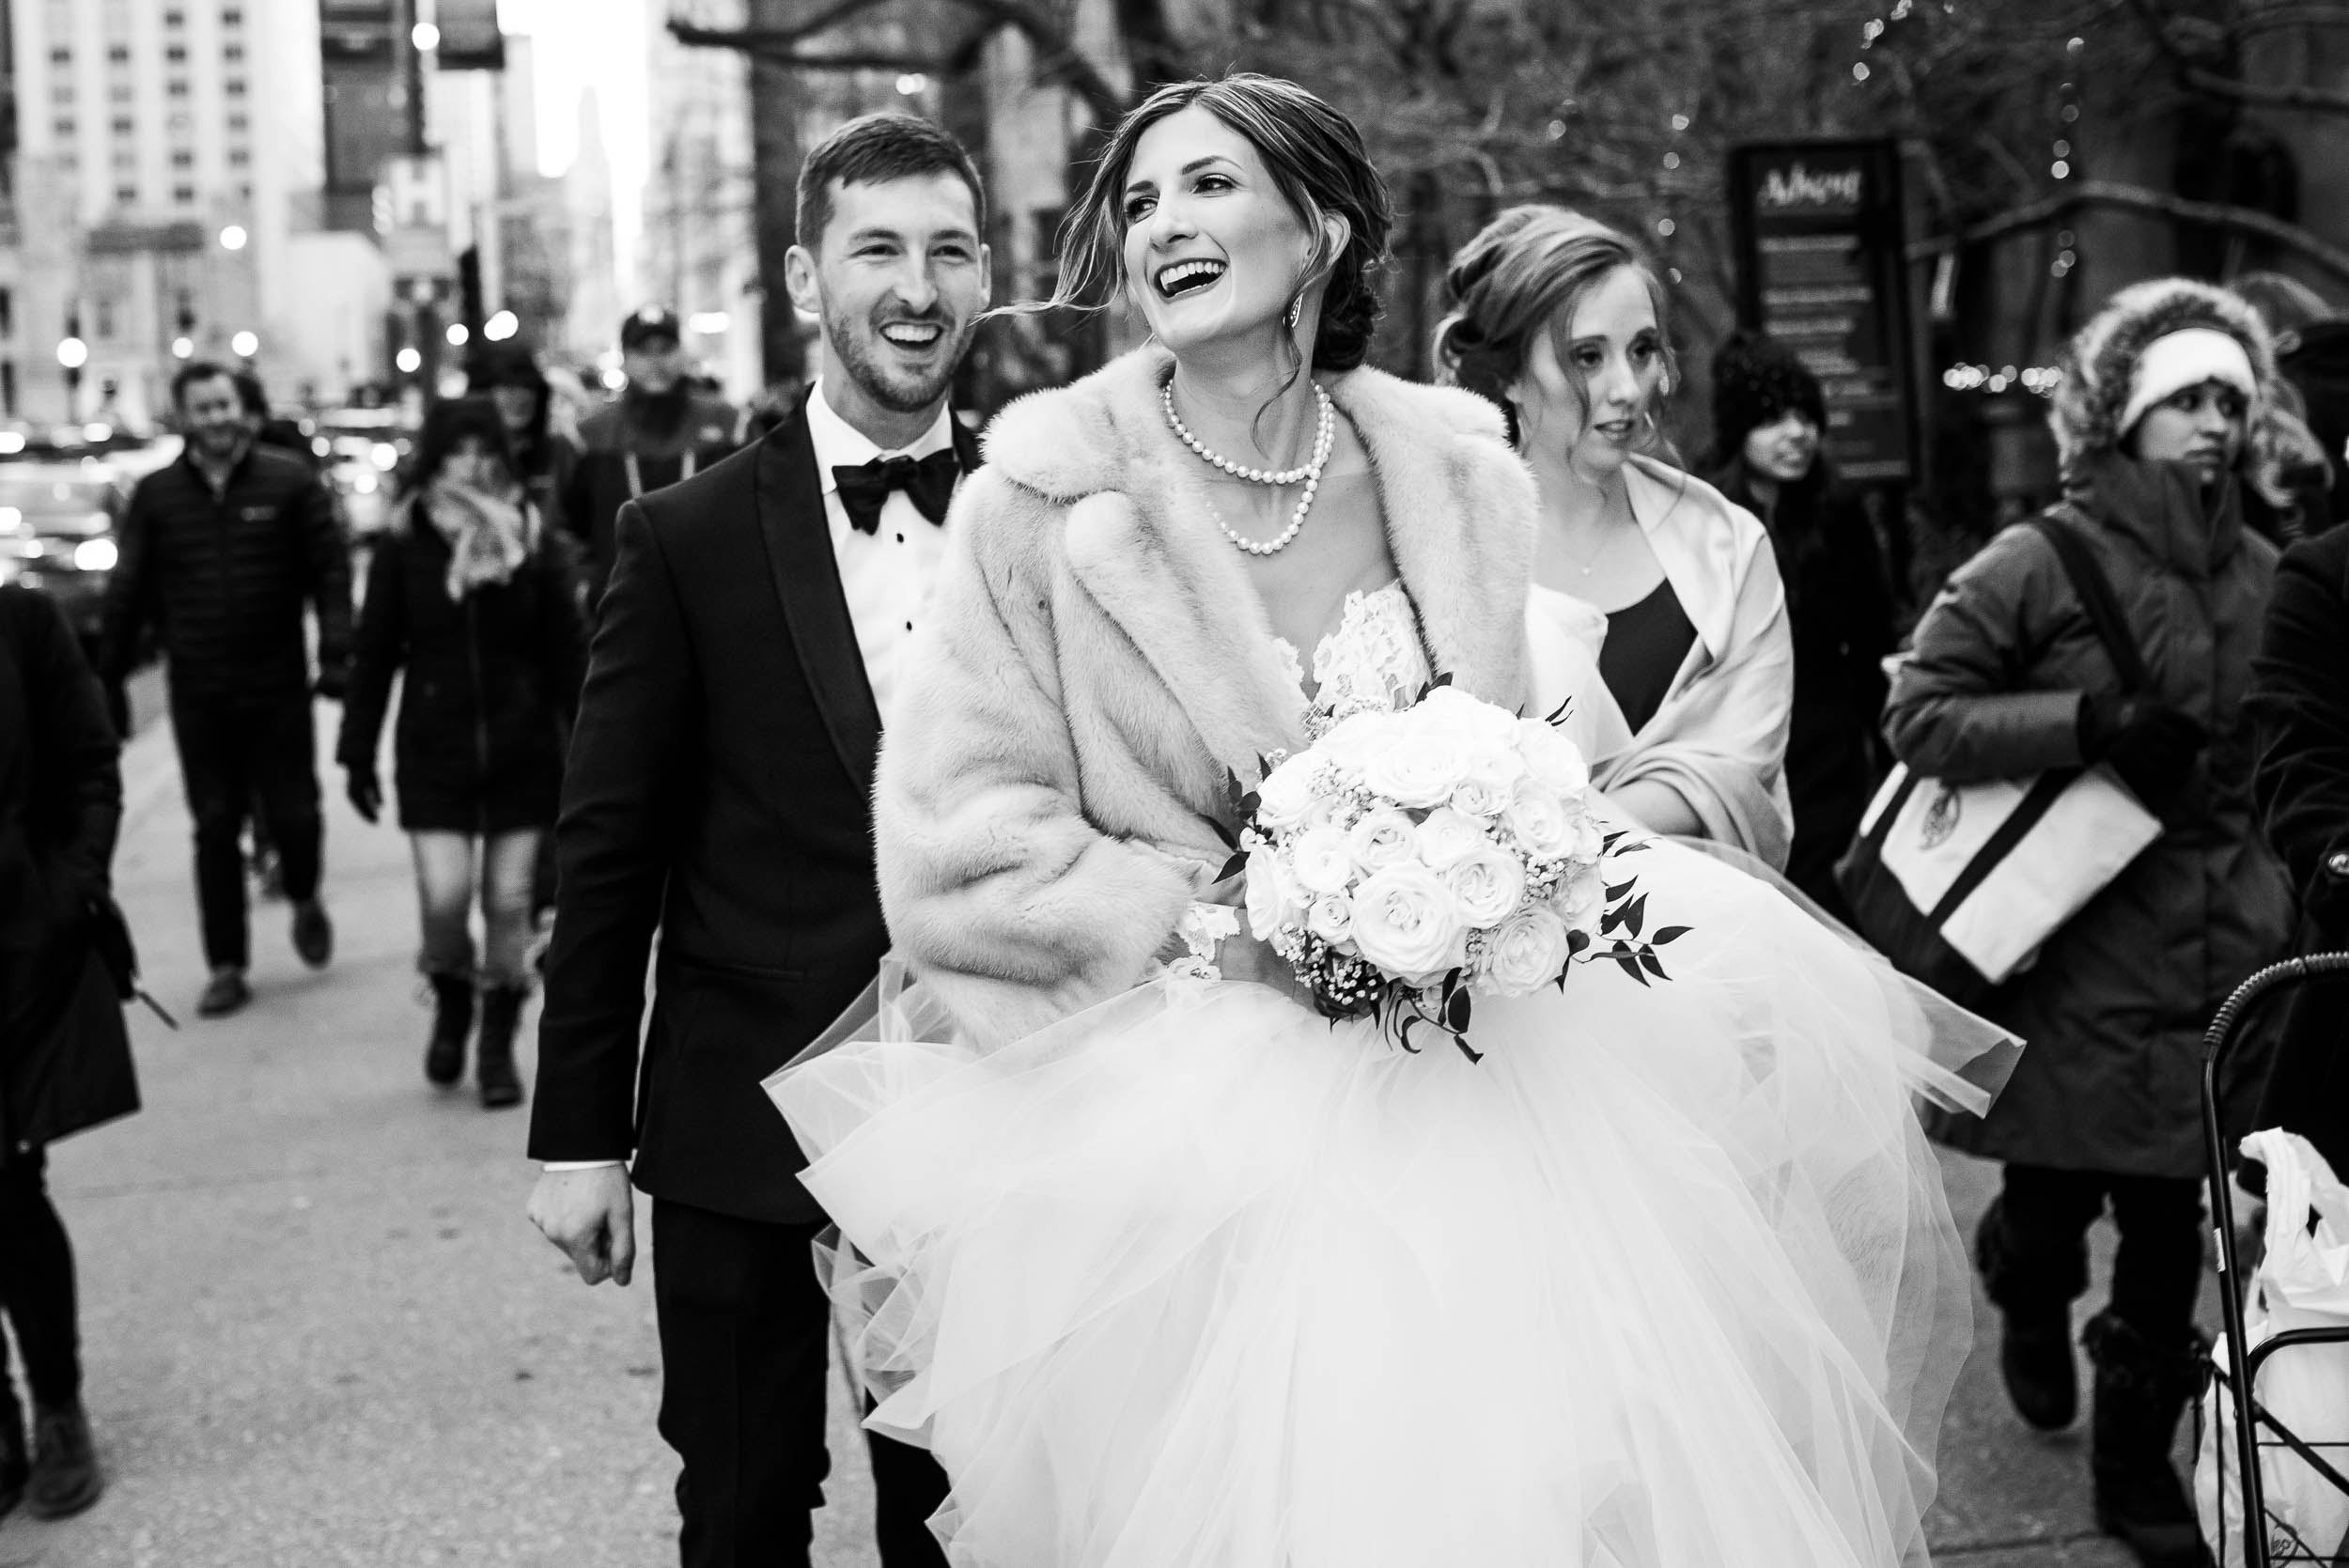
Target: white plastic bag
2303	1282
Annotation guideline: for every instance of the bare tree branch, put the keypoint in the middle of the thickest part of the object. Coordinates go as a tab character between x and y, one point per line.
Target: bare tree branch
2103	192
766	39
2259	93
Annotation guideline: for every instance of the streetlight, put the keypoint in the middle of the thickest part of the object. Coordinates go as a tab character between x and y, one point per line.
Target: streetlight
244	345
233	238
408	361
183	347
72	354
498	328
709	323
426	37
458	334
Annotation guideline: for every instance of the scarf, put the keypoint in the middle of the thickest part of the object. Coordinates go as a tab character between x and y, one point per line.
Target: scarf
486	535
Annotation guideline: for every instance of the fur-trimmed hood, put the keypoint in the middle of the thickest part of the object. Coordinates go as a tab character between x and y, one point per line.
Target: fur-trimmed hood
2102	357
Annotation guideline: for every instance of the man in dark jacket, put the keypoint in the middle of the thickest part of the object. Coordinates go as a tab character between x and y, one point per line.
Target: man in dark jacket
64	1058
225	547
660	430
2300	700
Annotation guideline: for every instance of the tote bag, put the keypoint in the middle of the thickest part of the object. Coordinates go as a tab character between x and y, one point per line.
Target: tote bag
1960	885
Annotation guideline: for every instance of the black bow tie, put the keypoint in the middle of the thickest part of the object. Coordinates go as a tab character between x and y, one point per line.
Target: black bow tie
928	483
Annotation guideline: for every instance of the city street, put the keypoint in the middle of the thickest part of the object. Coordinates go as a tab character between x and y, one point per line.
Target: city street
319	1330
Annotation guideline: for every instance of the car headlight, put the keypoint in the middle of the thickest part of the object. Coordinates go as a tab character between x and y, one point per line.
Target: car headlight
95	555
363	484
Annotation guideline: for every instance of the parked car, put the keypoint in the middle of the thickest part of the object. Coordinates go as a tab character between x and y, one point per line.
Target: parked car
57	524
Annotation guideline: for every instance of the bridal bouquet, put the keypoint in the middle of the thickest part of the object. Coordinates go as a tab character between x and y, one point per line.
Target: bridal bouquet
1406	861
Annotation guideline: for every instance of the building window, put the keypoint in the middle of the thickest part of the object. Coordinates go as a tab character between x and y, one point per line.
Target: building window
62	125
119	92
105	319
232	53
7	313
123	125
231	16
8	387
176	52
62	95
175	87
238	122
183	194
61	55
118	53
239	157
183	159
126	195
234	86
245	192
175	18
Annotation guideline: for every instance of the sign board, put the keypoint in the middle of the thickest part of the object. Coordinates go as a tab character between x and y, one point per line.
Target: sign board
1818	233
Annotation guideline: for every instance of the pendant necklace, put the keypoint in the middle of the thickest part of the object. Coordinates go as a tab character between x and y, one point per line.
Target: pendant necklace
1325	437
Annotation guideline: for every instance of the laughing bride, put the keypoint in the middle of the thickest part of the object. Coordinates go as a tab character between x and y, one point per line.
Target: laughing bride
1169	1271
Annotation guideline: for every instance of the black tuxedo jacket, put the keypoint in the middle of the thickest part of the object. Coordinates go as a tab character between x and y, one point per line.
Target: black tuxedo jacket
719	789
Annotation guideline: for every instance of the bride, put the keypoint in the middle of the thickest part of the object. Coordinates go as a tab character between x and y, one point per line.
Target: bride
1169	1272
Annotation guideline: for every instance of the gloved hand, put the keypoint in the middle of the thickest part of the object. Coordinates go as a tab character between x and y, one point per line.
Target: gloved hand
333	680
366	791
2151	745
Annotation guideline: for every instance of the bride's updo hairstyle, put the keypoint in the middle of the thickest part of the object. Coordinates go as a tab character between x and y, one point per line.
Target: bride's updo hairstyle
1526	273
1316	159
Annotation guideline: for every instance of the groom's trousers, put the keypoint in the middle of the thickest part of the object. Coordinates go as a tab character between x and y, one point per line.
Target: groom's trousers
745	1344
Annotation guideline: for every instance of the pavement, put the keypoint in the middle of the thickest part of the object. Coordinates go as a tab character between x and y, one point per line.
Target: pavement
318	1330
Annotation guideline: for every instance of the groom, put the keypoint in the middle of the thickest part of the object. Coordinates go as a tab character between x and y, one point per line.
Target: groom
719	791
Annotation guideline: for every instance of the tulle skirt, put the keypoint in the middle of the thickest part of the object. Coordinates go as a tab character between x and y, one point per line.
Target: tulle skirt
1196	1280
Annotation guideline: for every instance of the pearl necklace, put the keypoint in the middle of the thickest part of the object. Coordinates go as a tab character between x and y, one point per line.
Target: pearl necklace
1325	438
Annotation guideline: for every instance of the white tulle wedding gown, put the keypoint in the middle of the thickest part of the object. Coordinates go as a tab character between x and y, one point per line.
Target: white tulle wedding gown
1195	1280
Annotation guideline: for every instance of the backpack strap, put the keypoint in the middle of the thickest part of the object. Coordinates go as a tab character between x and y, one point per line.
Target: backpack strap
2097	597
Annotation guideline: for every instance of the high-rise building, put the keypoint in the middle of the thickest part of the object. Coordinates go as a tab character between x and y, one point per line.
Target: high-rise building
698	252
168	150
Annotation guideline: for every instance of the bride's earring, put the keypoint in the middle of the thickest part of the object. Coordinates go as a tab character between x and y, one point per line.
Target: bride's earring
1297	308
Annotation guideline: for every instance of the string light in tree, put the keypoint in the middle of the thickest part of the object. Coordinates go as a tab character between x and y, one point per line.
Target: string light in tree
1667	226
2064	155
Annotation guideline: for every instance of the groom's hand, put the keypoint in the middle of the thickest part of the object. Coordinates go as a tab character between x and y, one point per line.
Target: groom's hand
591	1215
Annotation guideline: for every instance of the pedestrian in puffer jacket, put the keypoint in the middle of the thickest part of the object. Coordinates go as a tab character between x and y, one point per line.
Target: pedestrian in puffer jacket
468	595
2166	413
224	549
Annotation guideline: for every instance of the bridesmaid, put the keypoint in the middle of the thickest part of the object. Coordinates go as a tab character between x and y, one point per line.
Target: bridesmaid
1563	322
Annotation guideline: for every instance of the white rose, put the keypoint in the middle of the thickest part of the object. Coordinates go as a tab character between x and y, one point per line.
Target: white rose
1332	919
1272	896
1406	922
1528	951
1493	774
1539	820
1352	742
1418	767
1550	757
1449	837
1580	899
1489	883
1287	793
1321	861
1382	838
1490	726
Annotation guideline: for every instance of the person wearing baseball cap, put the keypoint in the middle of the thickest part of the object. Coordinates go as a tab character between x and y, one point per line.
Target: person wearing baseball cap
660	430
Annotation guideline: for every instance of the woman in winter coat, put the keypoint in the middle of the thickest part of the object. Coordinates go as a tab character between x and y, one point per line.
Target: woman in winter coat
1769	413
2167	413
469	597
2300	701
65	1056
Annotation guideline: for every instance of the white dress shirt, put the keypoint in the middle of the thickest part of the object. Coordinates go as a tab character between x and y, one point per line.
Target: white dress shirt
886	575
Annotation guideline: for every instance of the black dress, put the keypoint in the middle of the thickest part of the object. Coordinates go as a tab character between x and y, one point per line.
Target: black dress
489	683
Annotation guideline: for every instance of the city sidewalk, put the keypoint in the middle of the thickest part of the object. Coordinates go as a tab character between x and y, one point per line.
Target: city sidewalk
319	1330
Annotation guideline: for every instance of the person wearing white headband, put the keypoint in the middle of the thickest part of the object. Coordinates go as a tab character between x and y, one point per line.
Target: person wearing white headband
2189	400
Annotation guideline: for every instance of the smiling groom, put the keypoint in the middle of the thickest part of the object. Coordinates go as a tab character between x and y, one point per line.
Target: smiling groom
719	790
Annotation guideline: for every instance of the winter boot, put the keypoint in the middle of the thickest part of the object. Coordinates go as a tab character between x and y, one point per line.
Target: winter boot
65	1477
452	1021
2035	1339
501	1009
15	1464
2141	1390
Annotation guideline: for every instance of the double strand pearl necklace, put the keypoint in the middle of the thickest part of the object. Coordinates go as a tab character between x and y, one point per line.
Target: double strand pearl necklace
1325	437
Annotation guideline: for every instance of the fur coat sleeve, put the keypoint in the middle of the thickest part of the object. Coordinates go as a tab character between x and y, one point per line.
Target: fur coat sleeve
1097	666
1719	738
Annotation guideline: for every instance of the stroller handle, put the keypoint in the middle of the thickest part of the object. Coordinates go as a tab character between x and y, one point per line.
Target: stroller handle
2225	1032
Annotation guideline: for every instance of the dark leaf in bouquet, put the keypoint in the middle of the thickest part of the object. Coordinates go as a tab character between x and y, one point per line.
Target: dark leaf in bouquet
1653	965
1633	847
1467	1050
1233	867
1231	839
1248	804
1629	960
1621	889
1669	934
1634	913
1558	715
1456	1011
1576	942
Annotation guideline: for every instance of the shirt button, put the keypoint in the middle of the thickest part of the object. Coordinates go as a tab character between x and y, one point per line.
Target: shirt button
909	626
2337	862
901	539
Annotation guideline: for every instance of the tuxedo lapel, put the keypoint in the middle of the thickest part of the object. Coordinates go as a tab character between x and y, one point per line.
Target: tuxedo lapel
808	582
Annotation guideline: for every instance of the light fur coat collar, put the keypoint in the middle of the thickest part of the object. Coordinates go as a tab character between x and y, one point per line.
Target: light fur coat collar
1460	512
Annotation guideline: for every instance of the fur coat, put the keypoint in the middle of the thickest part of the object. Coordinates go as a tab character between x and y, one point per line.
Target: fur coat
1097	663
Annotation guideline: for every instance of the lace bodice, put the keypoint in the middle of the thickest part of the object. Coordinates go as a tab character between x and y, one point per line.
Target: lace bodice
1372	660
